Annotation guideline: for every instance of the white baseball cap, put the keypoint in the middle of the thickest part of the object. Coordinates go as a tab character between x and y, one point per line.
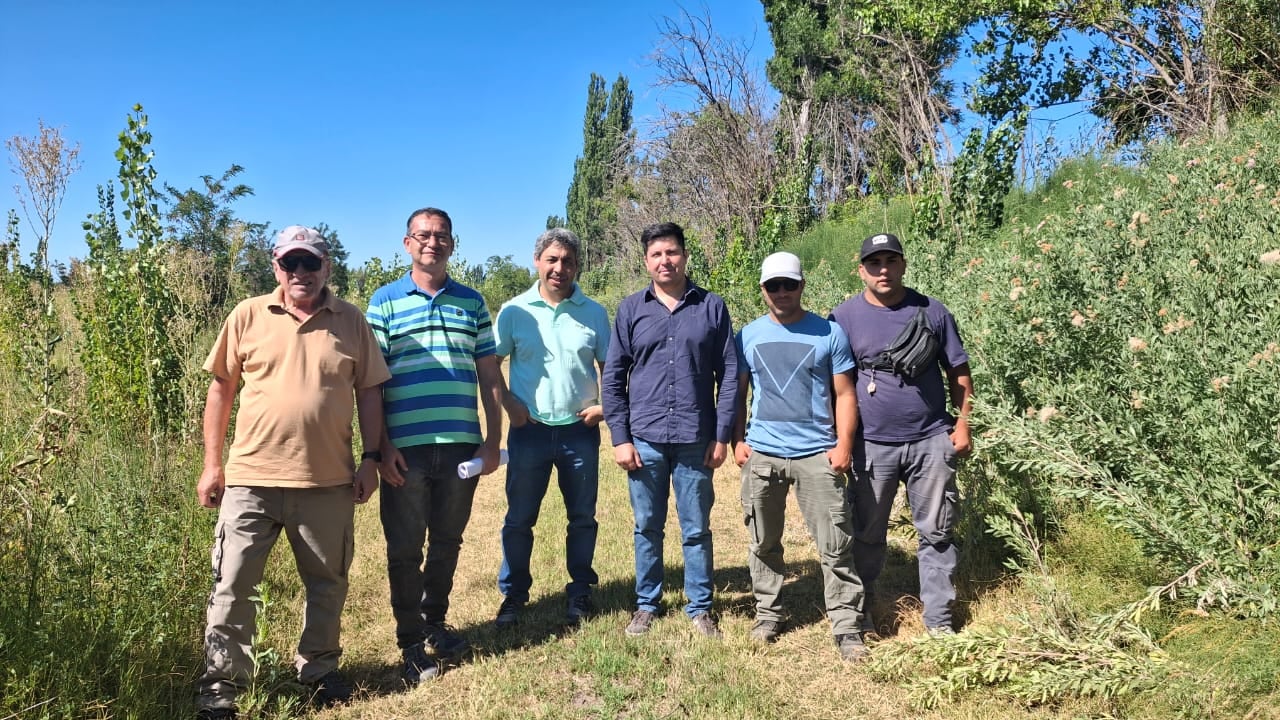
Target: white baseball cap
780	264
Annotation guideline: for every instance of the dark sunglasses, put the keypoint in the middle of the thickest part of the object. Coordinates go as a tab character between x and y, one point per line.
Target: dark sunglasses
777	284
309	262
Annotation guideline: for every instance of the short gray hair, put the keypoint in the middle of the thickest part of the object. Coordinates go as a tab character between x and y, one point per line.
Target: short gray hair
561	236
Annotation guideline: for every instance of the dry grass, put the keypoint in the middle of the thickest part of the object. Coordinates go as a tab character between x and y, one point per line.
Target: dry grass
542	670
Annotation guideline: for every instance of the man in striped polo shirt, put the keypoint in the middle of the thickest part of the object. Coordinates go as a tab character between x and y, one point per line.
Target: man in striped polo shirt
437	339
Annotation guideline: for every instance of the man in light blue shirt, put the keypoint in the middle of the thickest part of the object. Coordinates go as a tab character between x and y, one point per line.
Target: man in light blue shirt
804	411
556	337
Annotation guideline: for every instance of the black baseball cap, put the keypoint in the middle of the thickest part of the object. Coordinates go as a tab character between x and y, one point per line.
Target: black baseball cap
880	242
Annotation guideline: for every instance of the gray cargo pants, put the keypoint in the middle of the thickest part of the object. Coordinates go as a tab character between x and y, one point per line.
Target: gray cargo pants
928	468
820	493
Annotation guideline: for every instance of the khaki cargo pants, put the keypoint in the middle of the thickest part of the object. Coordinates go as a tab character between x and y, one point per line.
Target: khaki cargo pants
319	525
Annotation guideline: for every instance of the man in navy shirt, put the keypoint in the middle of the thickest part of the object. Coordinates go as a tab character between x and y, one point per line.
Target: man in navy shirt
668	390
905	432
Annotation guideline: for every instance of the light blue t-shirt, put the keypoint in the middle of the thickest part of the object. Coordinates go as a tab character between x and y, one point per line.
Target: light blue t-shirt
554	351
791	367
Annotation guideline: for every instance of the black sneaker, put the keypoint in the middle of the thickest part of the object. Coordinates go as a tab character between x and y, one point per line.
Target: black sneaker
579	609
508	613
216	714
851	647
445	641
766	631
419	667
331	689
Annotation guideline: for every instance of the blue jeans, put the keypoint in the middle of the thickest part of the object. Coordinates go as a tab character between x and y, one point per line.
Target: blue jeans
434	505
668	465
574	451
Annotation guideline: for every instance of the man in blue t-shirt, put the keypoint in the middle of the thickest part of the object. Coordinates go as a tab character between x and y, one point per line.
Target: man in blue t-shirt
906	434
803	414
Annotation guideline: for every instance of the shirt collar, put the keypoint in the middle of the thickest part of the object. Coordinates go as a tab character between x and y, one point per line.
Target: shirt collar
533	297
328	301
409	287
691	292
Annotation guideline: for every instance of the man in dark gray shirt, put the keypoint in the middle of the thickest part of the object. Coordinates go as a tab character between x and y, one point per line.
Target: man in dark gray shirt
905	434
668	393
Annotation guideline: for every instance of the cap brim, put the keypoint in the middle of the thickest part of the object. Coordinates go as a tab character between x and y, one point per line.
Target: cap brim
880	250
781	274
282	250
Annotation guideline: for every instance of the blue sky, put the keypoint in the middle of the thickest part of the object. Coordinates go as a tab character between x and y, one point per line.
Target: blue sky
352	114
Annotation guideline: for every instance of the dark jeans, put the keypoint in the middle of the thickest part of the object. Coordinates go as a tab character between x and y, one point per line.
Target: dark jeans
574	452
434	505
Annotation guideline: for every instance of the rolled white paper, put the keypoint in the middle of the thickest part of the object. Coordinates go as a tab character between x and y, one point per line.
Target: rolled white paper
472	467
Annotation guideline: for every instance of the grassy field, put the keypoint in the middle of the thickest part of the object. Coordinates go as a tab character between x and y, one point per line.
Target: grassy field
543	670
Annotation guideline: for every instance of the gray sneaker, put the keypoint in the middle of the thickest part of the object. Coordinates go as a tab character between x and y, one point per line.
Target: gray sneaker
419	667
851	647
766	631
940	631
704	624
641	621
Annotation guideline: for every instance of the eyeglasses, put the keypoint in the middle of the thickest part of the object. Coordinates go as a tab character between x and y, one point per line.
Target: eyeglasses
422	238
307	261
776	284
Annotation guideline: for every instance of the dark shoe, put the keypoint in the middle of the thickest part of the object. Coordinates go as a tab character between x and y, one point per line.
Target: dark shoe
216	714
641	621
445	642
331	689
940	631
508	614
419	667
851	647
579	609
766	631
704	624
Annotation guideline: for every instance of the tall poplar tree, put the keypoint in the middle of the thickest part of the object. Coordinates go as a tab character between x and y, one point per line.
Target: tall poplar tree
607	139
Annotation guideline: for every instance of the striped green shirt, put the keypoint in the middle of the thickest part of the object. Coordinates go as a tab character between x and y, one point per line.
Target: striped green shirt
431	346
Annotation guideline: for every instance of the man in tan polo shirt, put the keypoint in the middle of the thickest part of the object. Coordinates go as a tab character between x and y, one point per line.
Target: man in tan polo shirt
306	360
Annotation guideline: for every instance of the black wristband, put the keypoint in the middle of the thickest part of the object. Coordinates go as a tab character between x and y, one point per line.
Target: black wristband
374	455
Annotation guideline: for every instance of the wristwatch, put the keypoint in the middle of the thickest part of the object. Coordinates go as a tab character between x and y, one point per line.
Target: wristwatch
374	455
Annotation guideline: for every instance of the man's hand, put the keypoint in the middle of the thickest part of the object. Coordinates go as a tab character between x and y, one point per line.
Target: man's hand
211	486
517	412
960	438
592	416
715	455
393	466
627	457
491	455
841	458
366	482
741	453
